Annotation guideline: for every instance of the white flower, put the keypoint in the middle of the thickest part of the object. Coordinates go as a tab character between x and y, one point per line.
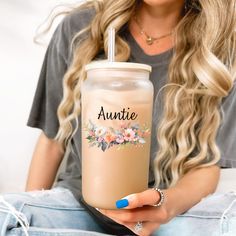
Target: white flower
141	140
100	131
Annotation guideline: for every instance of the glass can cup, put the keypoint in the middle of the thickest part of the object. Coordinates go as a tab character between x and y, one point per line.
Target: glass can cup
117	103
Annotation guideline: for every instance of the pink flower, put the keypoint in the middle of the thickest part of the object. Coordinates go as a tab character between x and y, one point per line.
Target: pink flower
91	133
129	135
100	139
120	139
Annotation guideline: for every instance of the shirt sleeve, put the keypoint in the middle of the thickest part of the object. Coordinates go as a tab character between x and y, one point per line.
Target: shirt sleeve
49	89
226	137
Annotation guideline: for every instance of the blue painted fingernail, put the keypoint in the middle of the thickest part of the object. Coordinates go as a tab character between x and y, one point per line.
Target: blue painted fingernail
122	203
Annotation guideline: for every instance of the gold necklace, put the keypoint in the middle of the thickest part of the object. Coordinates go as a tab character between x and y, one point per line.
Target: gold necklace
149	39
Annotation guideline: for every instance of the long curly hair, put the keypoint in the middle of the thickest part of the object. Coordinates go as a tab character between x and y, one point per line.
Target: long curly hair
201	73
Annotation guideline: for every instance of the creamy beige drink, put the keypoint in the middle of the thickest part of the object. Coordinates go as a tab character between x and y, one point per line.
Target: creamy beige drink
116	121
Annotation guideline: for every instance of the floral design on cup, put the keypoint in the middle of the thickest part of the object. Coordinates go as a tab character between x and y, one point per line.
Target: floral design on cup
104	138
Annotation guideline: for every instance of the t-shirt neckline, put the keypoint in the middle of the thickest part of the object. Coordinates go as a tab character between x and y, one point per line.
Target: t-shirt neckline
138	53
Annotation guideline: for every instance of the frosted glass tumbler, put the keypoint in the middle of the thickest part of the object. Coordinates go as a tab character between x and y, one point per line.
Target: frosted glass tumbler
117	101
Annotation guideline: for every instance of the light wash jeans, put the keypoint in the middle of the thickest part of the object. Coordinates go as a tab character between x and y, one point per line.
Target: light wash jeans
57	213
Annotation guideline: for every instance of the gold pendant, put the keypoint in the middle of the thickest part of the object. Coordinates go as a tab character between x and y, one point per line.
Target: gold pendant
149	40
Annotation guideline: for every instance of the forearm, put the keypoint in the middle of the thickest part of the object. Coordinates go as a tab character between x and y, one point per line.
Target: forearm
41	174
190	189
44	165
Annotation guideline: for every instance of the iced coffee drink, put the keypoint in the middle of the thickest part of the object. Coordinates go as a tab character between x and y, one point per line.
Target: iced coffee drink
117	100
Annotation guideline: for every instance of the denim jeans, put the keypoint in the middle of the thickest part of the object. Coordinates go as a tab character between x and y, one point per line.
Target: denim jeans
52	212
214	215
57	213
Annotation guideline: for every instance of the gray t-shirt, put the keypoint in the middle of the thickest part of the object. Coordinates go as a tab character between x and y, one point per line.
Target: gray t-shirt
49	92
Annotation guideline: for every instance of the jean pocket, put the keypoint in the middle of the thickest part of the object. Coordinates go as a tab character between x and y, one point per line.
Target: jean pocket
18	208
12	216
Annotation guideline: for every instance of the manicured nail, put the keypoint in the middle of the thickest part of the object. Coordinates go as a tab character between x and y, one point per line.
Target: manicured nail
122	203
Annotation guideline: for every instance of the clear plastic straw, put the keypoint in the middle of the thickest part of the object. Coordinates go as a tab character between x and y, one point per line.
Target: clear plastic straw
111	44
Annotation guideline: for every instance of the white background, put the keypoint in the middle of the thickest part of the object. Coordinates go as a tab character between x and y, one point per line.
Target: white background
20	64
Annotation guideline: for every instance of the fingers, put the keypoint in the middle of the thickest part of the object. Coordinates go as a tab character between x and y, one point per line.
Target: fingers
139	227
146	213
143	228
148	197
139	208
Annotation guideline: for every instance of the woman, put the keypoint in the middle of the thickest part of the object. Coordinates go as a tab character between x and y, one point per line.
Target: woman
191	48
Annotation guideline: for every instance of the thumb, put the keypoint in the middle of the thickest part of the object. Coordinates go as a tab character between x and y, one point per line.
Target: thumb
147	197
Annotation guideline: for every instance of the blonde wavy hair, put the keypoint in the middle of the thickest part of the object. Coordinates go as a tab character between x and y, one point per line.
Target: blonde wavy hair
200	74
